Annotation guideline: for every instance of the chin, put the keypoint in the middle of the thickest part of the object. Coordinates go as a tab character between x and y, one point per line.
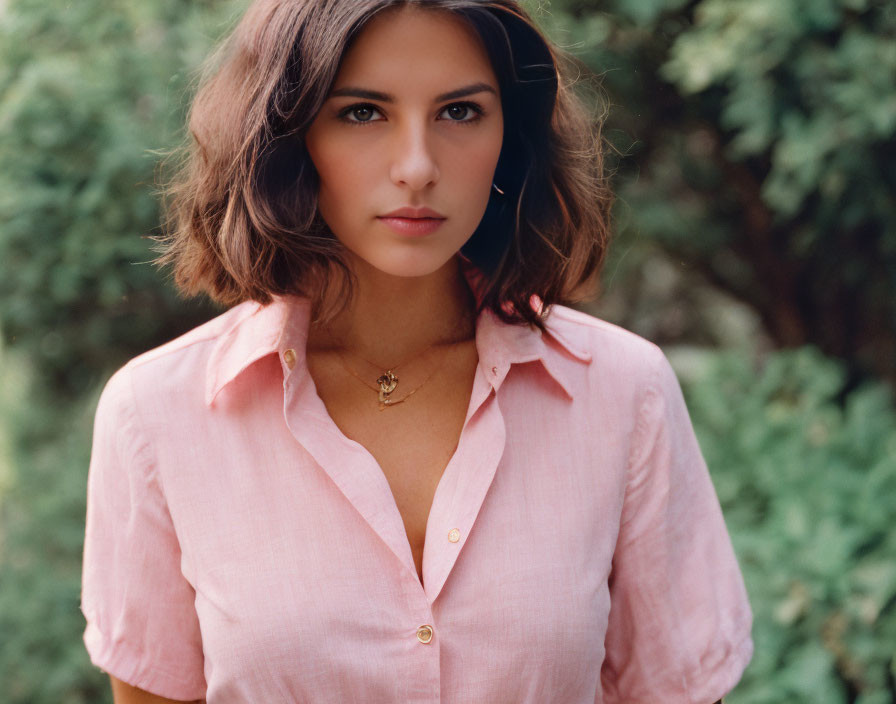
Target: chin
412	265
410	270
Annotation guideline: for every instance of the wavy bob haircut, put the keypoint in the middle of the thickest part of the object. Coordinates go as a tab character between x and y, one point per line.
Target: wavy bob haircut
241	217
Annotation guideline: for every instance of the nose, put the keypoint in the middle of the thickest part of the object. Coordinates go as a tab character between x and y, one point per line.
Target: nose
414	164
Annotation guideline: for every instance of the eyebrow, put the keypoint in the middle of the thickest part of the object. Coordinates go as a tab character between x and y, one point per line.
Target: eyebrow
388	98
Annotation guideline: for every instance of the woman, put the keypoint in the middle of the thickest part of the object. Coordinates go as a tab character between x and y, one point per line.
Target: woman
400	469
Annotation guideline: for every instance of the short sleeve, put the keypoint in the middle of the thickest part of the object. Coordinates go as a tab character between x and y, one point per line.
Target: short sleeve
142	626
680	622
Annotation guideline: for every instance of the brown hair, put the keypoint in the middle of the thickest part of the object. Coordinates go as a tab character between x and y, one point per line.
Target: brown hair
241	212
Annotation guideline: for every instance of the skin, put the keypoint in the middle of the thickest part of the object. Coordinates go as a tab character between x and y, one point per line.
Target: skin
123	693
415	151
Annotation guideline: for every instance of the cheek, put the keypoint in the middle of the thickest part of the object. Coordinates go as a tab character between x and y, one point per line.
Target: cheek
470	160
330	162
475	169
342	178
479	162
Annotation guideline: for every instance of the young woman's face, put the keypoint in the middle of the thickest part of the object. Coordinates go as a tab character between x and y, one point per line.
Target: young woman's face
409	146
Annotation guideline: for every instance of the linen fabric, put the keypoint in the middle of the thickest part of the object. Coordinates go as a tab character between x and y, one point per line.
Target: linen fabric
240	548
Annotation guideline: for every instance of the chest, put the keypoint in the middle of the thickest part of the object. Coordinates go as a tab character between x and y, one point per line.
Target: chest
412	440
309	598
299	595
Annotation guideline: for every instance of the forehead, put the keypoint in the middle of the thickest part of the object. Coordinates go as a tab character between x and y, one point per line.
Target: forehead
411	46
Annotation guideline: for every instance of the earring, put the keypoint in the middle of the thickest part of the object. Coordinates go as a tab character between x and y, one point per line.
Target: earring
497	189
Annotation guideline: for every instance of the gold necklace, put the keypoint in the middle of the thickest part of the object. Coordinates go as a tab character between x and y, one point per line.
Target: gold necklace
387	382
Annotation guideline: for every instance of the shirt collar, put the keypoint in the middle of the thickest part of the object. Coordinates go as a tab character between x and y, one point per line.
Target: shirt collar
254	334
281	328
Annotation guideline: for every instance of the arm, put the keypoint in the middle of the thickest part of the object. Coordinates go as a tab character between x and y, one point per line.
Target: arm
123	693
139	607
681	627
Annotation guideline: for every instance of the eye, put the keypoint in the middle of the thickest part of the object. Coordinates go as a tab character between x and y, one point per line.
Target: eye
361	110
362	113
474	112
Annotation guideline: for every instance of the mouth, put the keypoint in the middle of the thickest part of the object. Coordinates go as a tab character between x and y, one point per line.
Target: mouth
414	214
412	226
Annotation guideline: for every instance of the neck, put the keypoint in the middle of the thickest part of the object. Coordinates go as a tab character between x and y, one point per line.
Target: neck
391	318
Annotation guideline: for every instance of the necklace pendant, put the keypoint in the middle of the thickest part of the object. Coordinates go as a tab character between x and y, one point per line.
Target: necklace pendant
387	382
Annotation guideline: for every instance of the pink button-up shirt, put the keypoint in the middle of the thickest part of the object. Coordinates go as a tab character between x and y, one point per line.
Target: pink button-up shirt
240	548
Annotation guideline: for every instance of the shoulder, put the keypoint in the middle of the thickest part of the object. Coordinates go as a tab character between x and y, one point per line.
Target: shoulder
178	366
202	337
615	352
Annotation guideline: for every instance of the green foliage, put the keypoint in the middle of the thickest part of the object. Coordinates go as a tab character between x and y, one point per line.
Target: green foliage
42	657
86	90
808	487
759	143
809	83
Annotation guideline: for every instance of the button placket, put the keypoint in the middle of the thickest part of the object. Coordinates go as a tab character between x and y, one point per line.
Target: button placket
464	485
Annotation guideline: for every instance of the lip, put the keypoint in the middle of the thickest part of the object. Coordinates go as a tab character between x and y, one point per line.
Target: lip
414	213
413	221
414	227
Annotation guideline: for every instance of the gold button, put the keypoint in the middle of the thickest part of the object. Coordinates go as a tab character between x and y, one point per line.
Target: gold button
289	356
454	535
424	633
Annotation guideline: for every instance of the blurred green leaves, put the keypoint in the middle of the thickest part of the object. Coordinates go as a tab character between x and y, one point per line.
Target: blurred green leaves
809	82
87	92
807	485
758	146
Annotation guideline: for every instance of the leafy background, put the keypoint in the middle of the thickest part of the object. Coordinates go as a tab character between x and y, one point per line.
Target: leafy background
753	154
